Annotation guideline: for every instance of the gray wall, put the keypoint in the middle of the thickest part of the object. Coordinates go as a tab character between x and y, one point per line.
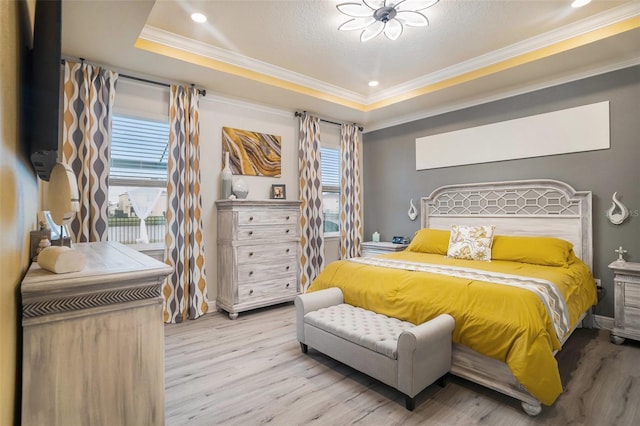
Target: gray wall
390	178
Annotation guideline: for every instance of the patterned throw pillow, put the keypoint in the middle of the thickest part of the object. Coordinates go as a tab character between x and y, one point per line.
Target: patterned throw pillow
471	242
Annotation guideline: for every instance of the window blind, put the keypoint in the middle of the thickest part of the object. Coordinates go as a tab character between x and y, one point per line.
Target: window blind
138	149
330	163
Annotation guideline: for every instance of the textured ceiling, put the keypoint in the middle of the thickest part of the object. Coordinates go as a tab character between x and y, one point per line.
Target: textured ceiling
289	54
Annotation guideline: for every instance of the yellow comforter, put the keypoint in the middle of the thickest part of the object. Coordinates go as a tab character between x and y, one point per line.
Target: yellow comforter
503	322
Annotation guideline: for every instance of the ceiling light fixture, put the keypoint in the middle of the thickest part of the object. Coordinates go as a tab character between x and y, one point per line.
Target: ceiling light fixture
373	83
199	18
580	3
376	16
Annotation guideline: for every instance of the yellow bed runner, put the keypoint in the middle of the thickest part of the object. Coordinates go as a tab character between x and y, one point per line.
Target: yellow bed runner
504	322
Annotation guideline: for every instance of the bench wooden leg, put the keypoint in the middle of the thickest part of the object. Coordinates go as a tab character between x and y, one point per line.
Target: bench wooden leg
409	402
442	381
304	348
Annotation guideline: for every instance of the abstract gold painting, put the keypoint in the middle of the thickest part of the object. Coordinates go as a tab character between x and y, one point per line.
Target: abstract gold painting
252	153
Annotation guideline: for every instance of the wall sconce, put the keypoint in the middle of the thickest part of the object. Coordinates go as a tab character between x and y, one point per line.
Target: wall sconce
618	212
413	213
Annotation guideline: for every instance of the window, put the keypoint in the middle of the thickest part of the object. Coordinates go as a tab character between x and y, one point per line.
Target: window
138	180
330	163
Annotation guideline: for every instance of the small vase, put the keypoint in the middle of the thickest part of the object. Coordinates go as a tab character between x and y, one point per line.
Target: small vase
225	179
240	189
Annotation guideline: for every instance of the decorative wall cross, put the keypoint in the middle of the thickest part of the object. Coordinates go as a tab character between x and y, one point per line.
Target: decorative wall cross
621	252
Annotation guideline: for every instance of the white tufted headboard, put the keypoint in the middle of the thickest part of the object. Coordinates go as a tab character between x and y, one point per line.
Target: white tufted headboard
527	207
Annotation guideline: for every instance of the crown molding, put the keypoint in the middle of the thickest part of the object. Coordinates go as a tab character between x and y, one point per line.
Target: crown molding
602	20
176	41
431	112
596	22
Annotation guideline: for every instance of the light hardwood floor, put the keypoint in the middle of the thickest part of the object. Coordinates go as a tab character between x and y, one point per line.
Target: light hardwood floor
251	371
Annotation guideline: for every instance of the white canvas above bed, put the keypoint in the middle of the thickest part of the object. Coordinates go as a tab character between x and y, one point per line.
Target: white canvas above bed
528	207
578	129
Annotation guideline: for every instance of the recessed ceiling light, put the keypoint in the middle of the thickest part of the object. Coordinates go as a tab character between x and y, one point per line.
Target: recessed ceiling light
580	3
199	18
373	83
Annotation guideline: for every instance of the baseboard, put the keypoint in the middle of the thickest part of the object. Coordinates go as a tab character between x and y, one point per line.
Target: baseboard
605	323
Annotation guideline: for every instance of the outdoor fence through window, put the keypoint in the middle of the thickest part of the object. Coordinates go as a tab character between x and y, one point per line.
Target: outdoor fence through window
126	230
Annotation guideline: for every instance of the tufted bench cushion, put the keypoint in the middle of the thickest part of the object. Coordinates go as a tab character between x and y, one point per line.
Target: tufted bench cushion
360	326
403	355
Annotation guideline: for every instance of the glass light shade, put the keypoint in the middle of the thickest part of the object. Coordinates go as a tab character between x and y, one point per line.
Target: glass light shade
356	24
393	29
372	31
374	17
412	19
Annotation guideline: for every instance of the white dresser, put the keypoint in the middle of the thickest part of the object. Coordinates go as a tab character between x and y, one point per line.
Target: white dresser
258	253
93	341
626	323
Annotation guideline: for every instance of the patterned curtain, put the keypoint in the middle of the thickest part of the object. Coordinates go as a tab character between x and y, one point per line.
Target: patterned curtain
185	289
311	217
350	192
89	93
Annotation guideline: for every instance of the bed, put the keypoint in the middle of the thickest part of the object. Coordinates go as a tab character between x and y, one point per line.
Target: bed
503	330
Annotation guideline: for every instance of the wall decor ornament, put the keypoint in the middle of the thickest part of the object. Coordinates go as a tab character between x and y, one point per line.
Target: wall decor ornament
252	153
618	212
413	213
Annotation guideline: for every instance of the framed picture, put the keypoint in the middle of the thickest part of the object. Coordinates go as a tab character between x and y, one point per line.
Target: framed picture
278	192
252	153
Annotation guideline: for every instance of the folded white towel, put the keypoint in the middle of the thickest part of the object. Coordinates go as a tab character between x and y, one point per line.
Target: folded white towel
61	260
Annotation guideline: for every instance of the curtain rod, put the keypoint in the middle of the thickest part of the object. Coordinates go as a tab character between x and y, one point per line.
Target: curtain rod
202	92
299	114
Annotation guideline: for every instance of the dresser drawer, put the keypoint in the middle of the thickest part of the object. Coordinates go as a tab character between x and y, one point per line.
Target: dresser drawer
268	217
274	288
267	253
632	295
272	233
632	319
254	271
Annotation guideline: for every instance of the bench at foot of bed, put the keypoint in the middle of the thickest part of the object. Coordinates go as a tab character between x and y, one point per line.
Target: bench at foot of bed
405	356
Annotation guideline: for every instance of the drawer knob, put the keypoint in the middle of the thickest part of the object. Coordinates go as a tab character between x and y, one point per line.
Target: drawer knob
251	291
288	268
288	217
250	273
250	218
250	254
250	233
288	250
287	231
287	285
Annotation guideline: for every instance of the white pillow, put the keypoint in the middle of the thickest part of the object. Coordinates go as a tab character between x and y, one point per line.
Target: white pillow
471	242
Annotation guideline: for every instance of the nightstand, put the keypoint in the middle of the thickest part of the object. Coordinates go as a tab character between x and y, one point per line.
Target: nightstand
626	323
370	248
